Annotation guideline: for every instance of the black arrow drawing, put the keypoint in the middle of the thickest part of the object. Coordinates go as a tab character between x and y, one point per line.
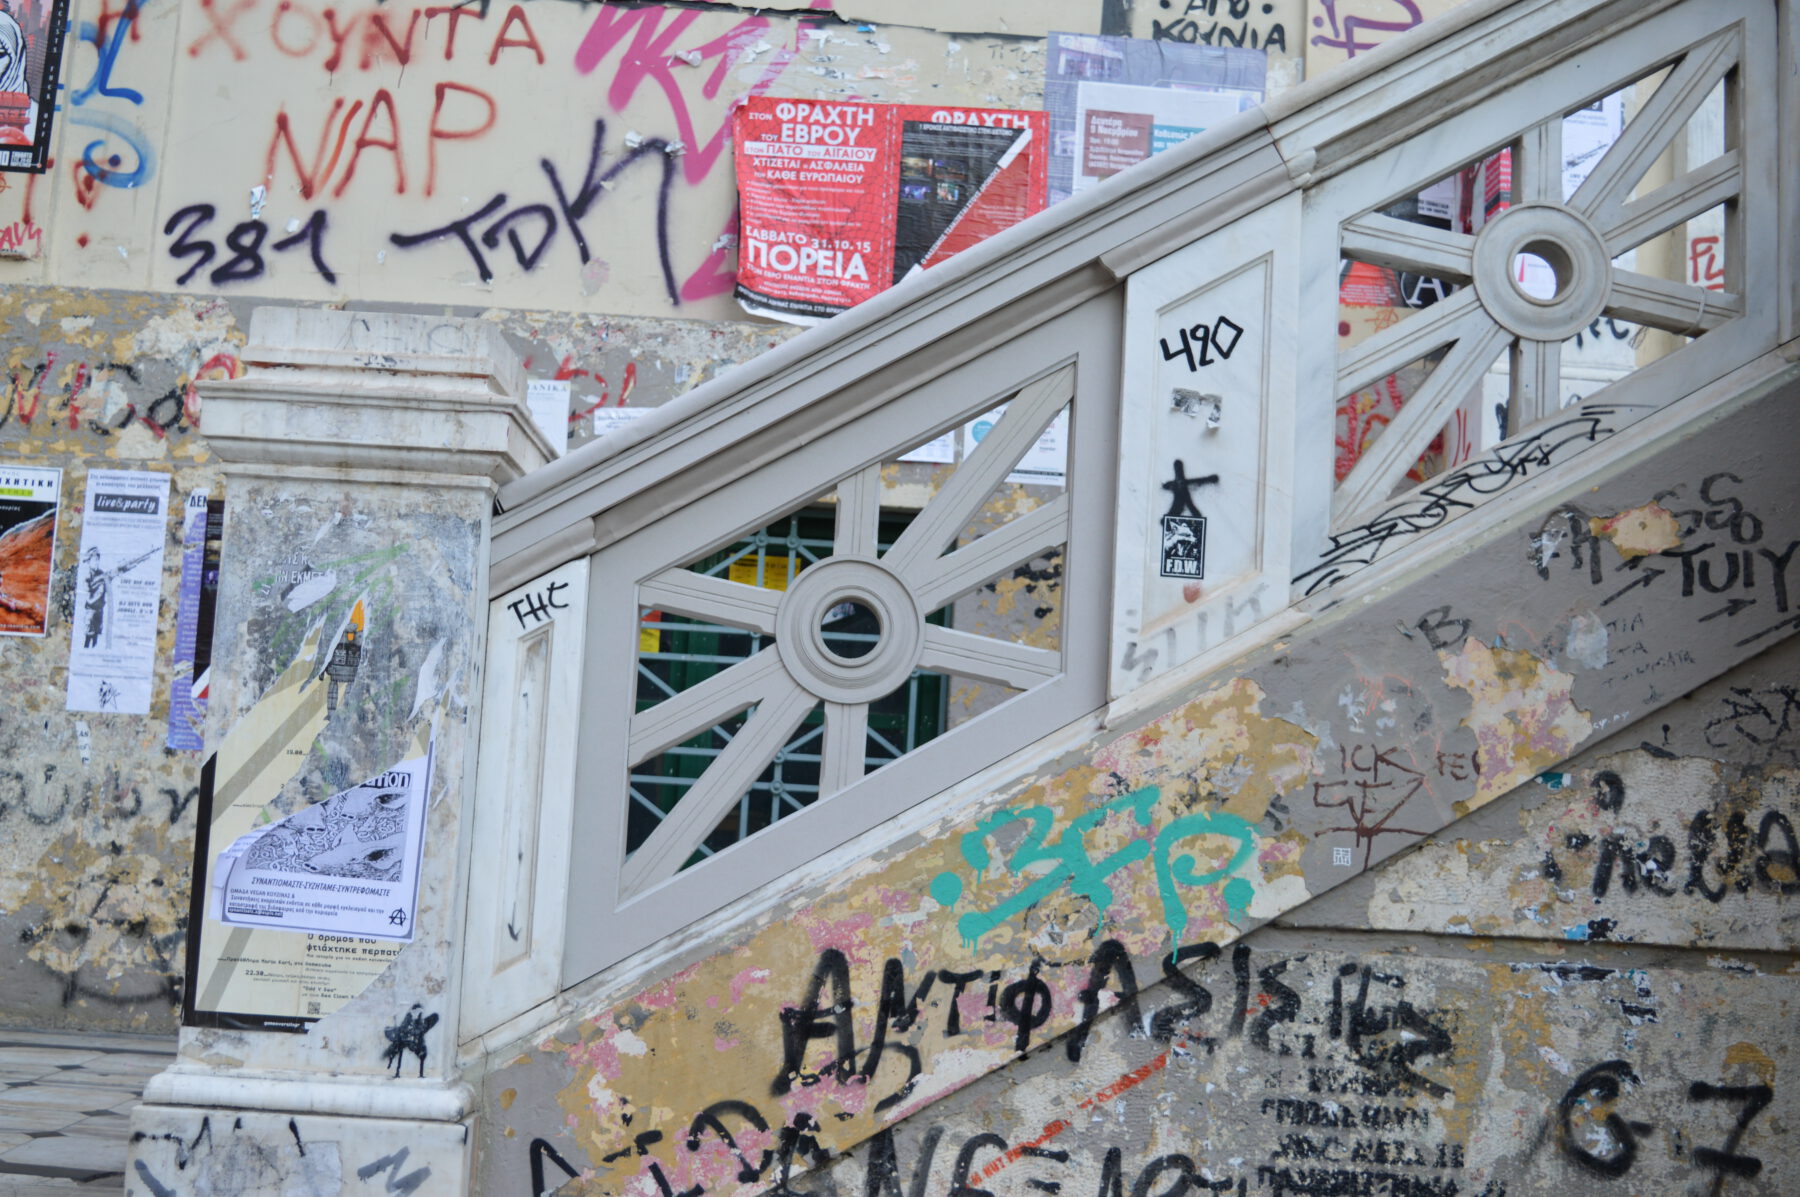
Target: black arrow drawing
1649	575
1731	607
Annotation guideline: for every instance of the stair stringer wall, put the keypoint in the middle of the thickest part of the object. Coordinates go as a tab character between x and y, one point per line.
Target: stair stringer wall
1479	671
1456	1019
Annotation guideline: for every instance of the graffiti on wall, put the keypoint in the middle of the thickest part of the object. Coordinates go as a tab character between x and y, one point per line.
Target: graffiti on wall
550	153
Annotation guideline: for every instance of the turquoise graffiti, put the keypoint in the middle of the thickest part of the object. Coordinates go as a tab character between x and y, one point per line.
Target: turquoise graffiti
1072	865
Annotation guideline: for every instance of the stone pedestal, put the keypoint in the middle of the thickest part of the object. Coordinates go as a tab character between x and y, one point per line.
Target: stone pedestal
361	455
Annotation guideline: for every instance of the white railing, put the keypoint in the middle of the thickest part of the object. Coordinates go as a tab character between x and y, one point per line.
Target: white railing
1183	319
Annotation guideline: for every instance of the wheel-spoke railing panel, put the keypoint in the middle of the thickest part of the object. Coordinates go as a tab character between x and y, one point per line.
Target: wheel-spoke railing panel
815	658
1449	403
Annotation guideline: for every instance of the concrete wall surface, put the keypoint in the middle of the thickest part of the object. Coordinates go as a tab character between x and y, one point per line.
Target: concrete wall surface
560	170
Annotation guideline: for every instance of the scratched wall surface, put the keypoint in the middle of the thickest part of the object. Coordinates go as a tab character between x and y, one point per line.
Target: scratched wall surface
1553	1030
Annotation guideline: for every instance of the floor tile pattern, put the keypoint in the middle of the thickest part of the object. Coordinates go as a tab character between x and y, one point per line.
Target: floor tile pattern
65	1108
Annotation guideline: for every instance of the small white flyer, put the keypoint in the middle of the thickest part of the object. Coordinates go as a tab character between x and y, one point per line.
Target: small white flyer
346	866
611	419
1044	464
118	591
939	450
548	399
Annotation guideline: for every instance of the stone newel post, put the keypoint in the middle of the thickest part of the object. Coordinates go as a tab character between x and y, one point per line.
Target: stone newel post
362	453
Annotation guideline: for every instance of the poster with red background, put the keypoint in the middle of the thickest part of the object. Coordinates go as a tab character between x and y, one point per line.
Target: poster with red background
840	200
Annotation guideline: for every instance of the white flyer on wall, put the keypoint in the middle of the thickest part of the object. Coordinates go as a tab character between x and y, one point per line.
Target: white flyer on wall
346	866
1044	464
118	590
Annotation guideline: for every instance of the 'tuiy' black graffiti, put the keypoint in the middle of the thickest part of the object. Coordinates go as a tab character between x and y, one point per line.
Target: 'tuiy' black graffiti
1461	489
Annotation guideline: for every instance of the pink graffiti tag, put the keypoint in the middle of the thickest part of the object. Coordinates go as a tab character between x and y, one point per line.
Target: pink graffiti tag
651	56
1345	36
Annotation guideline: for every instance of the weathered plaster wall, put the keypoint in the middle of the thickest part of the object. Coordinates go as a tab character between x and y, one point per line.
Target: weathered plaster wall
96	814
1026	915
559	169
1587	986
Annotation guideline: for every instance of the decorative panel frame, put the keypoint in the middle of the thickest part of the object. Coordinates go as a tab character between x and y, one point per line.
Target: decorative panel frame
618	905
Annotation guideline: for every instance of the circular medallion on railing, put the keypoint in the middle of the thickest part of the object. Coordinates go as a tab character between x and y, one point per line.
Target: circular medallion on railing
848	630
1565	242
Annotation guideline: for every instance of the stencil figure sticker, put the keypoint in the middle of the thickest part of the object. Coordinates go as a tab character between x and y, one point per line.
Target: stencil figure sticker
1184	527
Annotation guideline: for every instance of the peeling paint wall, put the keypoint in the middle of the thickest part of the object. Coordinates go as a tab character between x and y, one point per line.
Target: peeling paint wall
1068	978
97	814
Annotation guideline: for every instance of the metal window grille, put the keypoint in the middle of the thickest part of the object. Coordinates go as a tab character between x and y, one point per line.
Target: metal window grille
676	652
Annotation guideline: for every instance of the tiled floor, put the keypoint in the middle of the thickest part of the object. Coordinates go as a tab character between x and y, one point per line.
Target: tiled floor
65	1108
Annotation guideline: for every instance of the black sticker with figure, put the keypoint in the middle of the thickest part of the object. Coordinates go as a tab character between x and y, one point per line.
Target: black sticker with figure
1183	546
1184	527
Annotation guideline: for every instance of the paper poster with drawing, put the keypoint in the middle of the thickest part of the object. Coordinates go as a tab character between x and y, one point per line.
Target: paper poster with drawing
31	46
118	591
346	866
28	503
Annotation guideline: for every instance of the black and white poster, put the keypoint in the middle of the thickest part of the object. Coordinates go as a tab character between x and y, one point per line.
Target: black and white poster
118	590
1184	546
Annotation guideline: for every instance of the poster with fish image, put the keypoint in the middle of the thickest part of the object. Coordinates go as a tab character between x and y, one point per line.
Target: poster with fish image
346	866
280	977
28	502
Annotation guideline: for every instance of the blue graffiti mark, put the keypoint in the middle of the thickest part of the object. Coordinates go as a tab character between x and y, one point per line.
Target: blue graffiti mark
110	172
1071	865
109	56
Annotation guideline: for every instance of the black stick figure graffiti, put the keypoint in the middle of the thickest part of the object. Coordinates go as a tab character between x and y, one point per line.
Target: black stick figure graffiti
408	1036
1181	490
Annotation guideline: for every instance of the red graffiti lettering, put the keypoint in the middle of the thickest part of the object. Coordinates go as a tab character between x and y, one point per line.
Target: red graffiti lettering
314	28
441	132
1705	266
515	15
221	28
376	31
311	181
455	13
338	37
382	102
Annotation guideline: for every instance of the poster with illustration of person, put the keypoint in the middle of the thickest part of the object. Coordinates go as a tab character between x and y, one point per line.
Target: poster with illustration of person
31	43
118	591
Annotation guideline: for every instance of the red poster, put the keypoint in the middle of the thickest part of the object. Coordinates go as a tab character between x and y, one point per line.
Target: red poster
841	200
